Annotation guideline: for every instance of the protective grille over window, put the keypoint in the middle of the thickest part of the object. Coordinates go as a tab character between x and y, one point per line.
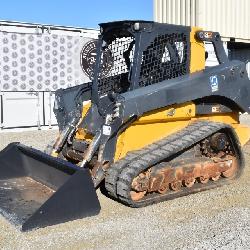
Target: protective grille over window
117	59
165	58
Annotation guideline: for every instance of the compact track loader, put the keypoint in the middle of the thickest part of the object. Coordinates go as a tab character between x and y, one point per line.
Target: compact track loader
153	125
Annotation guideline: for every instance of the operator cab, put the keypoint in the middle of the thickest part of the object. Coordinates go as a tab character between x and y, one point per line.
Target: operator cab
133	54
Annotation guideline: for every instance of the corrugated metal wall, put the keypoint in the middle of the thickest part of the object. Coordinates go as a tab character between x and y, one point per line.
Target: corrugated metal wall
181	12
229	17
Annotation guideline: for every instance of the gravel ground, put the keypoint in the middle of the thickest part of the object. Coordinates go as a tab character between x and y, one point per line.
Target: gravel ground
215	219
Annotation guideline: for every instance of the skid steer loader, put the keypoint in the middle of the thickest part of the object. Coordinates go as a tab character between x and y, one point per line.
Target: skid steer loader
154	124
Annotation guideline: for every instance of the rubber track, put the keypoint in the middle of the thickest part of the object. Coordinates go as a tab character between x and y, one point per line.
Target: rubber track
120	175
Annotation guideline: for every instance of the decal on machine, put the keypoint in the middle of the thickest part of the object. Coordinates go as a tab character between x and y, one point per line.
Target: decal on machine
106	130
214	83
88	59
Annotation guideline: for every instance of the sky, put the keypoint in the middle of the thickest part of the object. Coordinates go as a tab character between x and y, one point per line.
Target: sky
76	13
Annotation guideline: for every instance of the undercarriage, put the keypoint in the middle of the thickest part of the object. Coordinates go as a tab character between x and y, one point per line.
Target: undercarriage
202	156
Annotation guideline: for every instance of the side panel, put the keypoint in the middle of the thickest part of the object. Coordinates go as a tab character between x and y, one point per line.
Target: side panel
154	126
161	123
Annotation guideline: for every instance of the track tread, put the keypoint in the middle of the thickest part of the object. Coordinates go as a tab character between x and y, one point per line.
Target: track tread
121	174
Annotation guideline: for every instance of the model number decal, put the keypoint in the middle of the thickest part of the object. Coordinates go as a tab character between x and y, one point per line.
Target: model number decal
214	83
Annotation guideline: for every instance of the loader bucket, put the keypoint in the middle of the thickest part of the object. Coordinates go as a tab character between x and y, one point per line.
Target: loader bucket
37	190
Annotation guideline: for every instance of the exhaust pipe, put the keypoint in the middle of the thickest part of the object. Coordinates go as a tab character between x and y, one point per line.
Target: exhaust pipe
38	190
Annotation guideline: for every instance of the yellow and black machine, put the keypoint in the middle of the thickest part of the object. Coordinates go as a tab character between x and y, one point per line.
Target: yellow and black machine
154	124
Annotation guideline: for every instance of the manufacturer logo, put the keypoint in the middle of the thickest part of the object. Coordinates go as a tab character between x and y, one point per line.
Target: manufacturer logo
214	83
88	59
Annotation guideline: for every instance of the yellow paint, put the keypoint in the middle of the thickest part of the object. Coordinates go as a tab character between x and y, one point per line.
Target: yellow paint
81	133
243	133
197	52
153	126
54	153
166	114
85	108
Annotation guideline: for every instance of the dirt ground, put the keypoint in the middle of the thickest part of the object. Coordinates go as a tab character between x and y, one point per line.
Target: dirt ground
215	219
